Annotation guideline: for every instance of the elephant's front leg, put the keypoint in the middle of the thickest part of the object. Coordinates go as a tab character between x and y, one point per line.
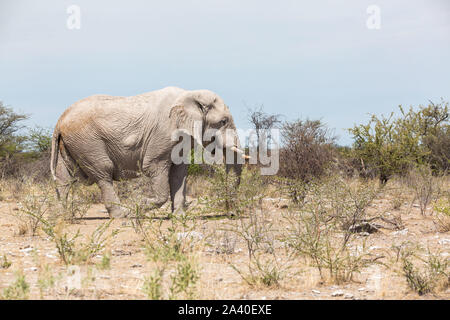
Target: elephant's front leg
177	179
110	199
159	175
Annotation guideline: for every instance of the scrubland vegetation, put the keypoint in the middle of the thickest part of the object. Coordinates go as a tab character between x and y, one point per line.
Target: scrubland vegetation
367	221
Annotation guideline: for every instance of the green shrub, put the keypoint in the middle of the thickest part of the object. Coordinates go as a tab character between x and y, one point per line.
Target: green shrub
70	250
5	263
46	279
105	264
171	250
264	265
424	271
442	215
322	230
35	204
390	146
19	290
39	140
232	193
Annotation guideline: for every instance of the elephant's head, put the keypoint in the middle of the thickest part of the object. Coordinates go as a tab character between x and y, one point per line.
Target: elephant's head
199	111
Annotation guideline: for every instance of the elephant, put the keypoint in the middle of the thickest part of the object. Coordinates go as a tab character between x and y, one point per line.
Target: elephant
103	138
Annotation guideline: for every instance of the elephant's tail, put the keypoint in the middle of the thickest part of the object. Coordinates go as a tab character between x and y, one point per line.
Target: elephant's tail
54	155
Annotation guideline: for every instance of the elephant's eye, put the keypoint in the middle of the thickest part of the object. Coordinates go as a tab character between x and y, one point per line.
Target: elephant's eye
223	122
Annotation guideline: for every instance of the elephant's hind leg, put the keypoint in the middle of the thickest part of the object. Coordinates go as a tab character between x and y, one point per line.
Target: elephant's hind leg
96	166
63	181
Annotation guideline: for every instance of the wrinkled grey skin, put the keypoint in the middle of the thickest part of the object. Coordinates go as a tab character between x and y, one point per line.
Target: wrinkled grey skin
104	138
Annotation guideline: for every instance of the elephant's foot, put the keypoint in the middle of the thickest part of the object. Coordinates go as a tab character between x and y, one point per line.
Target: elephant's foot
179	212
117	212
154	203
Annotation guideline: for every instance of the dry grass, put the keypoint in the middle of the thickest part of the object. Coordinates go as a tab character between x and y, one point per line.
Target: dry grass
265	251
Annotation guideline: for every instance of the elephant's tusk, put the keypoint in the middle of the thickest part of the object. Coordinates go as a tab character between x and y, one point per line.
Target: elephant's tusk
239	151
235	149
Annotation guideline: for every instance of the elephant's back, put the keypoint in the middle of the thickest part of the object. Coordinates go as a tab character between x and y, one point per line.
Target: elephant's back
117	111
161	99
82	112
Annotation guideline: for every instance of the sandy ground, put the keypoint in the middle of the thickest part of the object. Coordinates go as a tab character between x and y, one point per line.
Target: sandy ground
129	264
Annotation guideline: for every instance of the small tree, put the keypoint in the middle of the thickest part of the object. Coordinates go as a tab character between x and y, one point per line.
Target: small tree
263	122
392	146
39	140
436	135
9	125
306	154
384	147
10	143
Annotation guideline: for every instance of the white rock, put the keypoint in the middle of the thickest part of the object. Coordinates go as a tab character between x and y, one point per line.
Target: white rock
315	291
403	232
337	293
444	241
348	296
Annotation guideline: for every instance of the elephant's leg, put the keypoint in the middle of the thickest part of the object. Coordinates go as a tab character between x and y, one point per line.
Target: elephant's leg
177	180
94	165
159	175
63	181
110	199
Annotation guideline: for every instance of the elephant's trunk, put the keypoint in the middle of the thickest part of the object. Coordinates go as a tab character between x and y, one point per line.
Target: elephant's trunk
236	166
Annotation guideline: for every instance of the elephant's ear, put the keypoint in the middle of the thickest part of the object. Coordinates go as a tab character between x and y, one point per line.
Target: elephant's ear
189	121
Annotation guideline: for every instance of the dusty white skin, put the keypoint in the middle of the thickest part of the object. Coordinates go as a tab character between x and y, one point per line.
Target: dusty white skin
105	138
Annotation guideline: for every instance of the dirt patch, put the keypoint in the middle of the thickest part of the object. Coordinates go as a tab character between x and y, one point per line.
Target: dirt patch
218	254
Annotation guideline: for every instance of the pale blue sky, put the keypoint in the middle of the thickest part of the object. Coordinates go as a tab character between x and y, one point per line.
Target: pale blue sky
313	59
